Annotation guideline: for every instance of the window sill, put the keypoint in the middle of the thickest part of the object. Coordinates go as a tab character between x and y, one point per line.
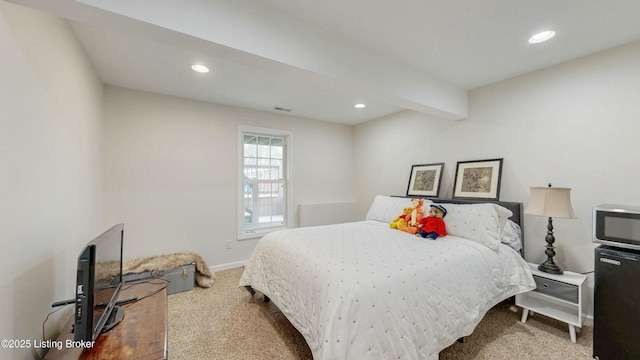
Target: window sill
259	233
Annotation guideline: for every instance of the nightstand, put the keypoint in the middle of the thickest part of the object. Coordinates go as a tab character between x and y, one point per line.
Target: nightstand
561	297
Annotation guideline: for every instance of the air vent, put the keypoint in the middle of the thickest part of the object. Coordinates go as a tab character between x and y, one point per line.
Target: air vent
281	109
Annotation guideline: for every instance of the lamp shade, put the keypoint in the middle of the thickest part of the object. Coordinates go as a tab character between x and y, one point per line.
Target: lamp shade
550	202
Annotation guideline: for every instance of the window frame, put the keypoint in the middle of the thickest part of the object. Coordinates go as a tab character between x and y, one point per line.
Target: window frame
241	233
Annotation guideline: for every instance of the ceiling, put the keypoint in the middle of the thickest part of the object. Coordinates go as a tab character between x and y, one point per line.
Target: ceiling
319	58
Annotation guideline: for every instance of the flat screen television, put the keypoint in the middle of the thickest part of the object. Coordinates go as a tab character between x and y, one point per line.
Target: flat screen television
98	284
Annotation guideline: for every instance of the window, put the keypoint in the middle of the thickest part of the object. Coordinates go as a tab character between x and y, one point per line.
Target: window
264	187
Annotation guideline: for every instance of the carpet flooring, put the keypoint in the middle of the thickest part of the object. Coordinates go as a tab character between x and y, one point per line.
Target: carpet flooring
225	322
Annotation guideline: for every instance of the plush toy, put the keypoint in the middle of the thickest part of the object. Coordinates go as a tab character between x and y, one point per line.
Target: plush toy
417	215
432	225
402	221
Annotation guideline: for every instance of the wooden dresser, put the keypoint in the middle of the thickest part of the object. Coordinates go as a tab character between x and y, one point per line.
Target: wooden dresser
142	334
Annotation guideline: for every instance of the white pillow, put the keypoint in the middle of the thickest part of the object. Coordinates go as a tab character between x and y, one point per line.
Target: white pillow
482	223
386	208
512	235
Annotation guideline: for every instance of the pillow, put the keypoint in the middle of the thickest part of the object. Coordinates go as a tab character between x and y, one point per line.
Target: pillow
386	208
482	223
512	235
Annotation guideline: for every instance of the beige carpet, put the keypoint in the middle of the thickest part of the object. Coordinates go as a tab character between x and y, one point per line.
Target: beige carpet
225	322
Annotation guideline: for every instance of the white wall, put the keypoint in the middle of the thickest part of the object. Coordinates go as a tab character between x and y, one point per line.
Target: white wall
574	125
50	169
170	171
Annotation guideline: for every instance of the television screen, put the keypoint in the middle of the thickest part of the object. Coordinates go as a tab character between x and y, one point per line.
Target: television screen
99	279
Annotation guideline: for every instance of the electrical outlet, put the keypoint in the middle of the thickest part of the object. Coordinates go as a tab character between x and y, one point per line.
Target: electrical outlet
228	244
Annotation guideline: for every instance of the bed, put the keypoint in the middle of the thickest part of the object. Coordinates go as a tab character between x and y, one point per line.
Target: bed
364	291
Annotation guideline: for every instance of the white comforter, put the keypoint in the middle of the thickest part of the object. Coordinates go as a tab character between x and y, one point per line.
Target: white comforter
363	291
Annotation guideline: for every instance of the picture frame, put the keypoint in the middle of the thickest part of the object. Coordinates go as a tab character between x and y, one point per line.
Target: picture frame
478	179
425	180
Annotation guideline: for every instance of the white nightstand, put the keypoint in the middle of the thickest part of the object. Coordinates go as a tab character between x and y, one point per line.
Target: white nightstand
561	297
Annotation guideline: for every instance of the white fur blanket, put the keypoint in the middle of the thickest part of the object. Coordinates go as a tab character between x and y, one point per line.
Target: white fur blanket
204	277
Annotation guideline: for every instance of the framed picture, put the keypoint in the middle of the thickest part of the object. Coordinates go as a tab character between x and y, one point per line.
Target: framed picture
478	179
424	180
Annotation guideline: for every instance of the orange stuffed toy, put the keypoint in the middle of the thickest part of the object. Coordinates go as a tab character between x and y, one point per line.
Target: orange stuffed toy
416	217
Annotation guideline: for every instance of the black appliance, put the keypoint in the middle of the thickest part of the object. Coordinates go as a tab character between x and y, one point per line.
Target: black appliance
616	323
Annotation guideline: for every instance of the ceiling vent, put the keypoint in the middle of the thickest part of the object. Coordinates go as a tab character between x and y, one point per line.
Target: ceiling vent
281	109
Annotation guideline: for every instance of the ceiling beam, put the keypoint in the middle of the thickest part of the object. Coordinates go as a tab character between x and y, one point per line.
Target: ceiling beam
251	33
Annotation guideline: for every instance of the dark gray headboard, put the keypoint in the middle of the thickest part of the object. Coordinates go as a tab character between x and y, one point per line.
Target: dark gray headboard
515	207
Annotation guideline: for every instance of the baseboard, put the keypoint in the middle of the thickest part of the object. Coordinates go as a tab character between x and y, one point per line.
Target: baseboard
233	265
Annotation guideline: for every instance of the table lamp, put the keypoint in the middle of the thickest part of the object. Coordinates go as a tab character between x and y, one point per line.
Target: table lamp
552	203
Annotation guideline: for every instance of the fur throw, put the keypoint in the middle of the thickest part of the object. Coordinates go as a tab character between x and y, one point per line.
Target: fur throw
204	277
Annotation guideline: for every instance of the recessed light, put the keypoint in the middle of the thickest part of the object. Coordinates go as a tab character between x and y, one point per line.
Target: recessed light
199	68
542	36
359	106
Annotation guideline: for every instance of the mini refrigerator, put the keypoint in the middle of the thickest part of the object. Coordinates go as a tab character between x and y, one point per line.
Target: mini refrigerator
616	324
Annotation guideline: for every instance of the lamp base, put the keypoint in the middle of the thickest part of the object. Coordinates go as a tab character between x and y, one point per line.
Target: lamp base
550	267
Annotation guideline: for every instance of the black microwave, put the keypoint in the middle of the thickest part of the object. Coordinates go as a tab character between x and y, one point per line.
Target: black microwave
617	225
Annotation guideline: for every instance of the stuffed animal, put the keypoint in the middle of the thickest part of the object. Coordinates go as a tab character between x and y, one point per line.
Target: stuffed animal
432	225
416	217
402	221
417	213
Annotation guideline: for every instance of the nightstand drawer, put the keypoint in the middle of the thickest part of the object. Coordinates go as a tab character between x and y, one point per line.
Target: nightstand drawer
556	289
